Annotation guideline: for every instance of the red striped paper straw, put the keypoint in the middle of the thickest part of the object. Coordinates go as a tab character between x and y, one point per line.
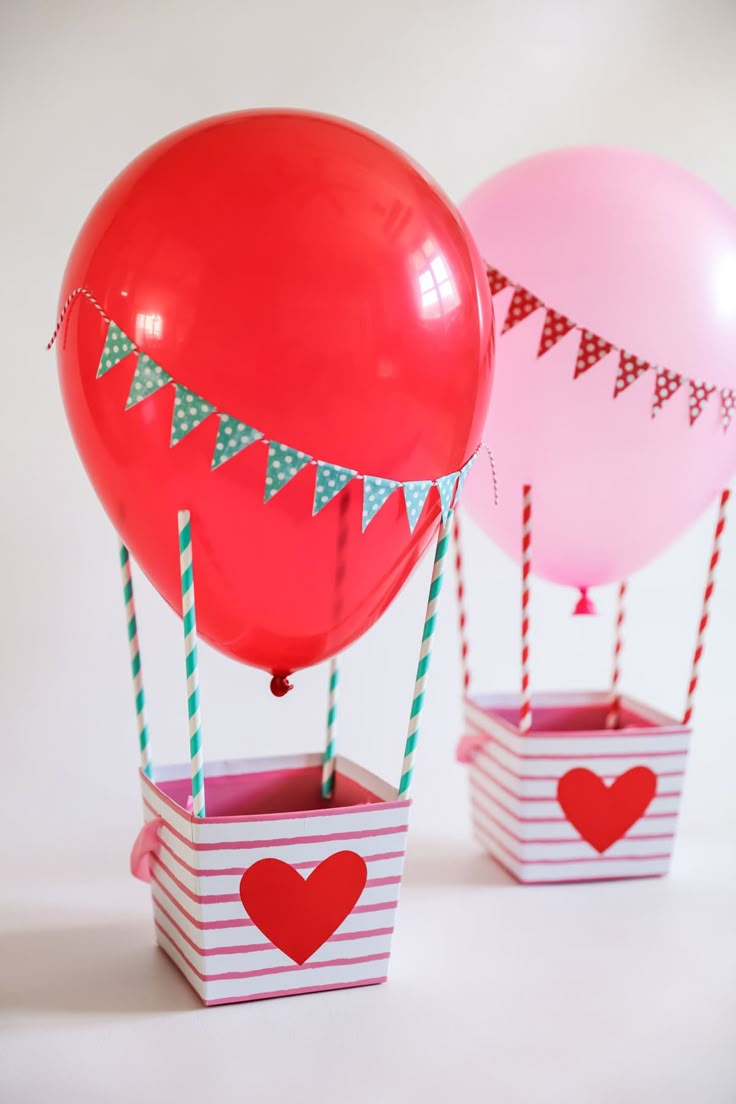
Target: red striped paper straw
612	717
705	612
461	611
525	704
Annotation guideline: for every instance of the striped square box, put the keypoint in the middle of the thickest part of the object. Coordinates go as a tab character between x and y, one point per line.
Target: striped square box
572	800
196	868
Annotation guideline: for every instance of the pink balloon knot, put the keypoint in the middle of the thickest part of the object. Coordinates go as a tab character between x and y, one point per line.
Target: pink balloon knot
585	607
468	747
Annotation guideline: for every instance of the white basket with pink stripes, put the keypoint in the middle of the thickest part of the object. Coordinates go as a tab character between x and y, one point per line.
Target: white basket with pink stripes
272	877
575	787
571	799
297	896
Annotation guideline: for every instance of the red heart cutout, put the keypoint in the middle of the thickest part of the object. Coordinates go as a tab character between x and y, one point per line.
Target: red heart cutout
299	914
601	813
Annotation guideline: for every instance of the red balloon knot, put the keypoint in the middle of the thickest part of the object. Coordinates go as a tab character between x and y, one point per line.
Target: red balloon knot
280	685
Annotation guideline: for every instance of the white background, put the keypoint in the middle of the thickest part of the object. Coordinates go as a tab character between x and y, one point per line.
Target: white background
609	992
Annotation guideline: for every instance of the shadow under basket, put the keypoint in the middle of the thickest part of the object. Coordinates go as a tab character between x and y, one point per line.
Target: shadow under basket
272	809
573	800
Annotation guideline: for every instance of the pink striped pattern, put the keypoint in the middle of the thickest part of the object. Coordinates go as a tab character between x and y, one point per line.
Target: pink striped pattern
199	918
525	704
513	785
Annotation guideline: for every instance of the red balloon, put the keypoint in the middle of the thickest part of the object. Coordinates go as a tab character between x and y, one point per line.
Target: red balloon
304	276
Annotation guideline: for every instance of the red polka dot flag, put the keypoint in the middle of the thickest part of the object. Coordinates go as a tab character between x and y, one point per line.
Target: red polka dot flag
699	395
556	326
629	369
593	348
523	303
665	387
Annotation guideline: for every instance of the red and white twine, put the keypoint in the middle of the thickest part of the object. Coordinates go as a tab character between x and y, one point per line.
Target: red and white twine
612	717
705	612
71	297
525	704
461	611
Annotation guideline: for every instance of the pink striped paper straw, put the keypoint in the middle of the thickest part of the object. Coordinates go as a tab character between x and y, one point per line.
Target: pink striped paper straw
612	717
525	704
461	612
705	612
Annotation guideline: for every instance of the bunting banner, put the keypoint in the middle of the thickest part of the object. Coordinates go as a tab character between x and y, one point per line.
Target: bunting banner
592	348
284	462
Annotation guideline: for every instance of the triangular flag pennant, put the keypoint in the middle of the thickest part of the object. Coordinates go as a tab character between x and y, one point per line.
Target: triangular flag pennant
699	395
446	486
496	280
523	303
190	410
728	402
148	378
592	349
629	369
461	479
117	346
375	493
232	437
665	387
415	495
283	464
329	482
555	327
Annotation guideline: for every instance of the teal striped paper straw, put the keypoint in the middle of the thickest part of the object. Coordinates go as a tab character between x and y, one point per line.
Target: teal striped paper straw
425	656
328	759
192	665
135	661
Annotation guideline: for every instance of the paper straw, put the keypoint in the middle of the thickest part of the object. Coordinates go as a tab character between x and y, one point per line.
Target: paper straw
425	656
461	611
328	761
525	703
612	717
192	667
705	612
330	752
135	661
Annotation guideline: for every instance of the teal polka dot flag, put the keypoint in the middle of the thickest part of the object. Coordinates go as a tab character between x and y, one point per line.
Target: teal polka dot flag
283	464
330	481
117	346
446	487
189	411
375	493
232	437
148	378
415	495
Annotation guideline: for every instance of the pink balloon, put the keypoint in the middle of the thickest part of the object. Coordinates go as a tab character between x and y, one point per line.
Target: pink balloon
643	254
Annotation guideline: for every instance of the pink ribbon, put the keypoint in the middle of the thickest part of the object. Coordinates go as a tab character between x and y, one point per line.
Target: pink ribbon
146	844
468	746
